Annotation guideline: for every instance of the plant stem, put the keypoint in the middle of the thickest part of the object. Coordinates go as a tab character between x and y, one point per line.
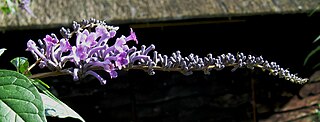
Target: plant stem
48	74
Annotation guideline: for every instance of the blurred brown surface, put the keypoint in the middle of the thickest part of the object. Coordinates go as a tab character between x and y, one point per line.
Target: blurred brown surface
303	107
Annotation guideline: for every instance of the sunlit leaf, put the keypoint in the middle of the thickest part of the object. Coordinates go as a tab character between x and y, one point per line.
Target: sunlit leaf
2	50
5	10
310	54
316	39
43	87
58	109
21	64
316	66
20	100
314	10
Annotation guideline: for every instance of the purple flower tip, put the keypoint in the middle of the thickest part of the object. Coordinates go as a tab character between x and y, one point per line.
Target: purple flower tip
49	40
132	36
65	45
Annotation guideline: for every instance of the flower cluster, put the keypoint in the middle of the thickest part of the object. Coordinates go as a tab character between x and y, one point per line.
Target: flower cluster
186	65
93	52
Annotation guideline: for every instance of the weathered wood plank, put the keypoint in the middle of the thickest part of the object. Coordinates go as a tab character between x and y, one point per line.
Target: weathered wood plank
51	13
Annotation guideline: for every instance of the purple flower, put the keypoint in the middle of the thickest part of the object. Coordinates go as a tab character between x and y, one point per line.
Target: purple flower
73	56
120	42
25	5
113	73
81	52
65	45
112	33
121	60
102	81
86	39
132	36
50	43
31	46
103	33
81	37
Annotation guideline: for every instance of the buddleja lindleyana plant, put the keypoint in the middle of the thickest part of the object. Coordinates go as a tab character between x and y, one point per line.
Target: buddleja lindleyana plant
93	51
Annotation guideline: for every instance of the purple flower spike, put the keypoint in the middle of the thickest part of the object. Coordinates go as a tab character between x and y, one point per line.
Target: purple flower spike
93	52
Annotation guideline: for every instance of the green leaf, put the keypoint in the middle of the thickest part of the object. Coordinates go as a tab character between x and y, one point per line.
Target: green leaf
2	50
40	84
314	41
5	10
316	66
20	100
43	87
21	64
58	109
310	54
8	7
314	10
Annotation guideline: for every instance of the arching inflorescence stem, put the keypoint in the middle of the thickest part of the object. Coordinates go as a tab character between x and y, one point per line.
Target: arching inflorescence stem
92	51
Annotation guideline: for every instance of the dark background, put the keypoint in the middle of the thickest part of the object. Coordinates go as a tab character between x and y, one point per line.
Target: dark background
172	97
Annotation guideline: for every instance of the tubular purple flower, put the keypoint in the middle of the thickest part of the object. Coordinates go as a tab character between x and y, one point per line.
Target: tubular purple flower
31	46
132	36
81	37
108	51
139	57
50	43
65	59
103	33
96	49
75	74
65	45
106	65
91	40
102	81
74	56
81	52
121	60
112	33
101	30
119	43
151	47
113	73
